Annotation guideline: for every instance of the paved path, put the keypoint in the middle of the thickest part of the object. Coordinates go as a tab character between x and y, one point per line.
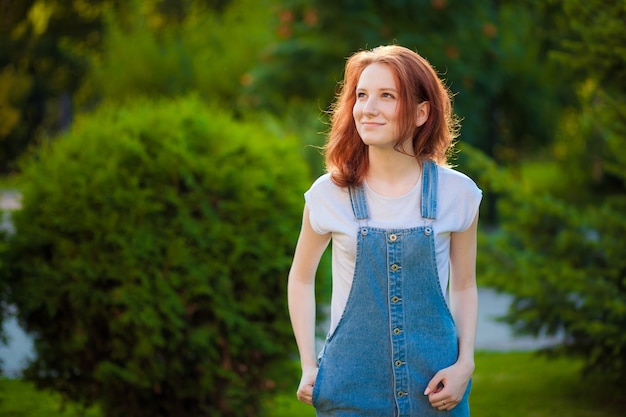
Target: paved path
20	347
491	335
9	200
494	335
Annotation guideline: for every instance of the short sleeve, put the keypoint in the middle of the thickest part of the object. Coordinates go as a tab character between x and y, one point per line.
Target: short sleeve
474	197
328	205
313	204
460	200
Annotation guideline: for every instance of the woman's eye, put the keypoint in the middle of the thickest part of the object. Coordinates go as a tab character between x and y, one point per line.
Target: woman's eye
359	95
388	95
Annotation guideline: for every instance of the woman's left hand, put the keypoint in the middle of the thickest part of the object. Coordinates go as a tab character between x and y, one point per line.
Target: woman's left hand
446	389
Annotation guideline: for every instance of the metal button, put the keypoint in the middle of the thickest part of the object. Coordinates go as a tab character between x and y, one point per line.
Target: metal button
428	231
398	362
400	393
396	331
394	267
395	299
364	231
393	238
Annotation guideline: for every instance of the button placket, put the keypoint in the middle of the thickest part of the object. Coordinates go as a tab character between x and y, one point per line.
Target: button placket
396	309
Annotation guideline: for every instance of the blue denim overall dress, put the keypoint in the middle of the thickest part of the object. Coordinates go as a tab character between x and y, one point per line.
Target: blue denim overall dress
396	331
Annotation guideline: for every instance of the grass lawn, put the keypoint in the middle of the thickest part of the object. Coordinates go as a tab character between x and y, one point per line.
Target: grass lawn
524	384
20	399
515	384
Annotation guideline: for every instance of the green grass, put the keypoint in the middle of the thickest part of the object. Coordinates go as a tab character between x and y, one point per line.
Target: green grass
286	405
20	399
524	384
515	384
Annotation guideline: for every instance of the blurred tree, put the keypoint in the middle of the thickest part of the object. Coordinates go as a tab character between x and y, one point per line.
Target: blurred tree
206	52
564	264
507	92
594	46
562	253
43	59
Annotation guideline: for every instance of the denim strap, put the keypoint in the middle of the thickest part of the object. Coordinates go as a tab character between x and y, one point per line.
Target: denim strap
359	203
429	190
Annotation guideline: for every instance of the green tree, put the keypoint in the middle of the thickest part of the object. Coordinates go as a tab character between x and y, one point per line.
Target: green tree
150	260
594	45
507	92
45	53
564	264
561	251
207	52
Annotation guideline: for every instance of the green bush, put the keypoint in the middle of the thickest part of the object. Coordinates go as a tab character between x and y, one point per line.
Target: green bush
564	264
150	260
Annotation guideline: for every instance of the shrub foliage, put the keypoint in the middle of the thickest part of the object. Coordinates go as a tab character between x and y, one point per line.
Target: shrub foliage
150	260
565	266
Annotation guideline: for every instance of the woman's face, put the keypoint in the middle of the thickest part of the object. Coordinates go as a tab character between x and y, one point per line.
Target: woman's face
376	110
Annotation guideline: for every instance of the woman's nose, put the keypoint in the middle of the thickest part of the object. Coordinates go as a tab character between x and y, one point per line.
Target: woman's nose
370	107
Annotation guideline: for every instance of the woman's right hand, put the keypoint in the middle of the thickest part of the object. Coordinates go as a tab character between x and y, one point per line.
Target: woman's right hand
305	389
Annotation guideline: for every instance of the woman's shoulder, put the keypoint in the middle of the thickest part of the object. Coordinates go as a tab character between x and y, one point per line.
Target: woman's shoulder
451	178
323	181
329	205
324	191
459	199
325	185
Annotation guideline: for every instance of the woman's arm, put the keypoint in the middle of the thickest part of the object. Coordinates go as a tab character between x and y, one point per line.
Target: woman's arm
463	291
301	300
464	308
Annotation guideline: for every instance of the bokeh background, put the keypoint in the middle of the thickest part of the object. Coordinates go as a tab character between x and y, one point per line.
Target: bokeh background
153	156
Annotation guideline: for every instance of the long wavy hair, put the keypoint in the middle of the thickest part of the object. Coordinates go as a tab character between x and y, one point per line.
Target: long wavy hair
346	154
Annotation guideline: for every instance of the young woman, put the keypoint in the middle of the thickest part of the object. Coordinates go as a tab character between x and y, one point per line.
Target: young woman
403	231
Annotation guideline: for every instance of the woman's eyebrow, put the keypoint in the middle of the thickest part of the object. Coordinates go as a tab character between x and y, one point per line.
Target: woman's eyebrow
379	89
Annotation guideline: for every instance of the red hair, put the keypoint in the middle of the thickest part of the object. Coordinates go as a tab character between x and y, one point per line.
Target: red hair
346	154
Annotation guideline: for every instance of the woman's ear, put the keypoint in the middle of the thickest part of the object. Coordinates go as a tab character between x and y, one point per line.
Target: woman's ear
423	109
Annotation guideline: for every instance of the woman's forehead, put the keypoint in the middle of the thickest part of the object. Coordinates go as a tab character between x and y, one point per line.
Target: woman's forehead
377	76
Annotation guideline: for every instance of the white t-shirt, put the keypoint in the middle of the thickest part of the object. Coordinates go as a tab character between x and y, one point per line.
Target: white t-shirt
458	199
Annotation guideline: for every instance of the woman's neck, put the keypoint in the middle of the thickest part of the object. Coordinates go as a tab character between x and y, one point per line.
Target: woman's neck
392	173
